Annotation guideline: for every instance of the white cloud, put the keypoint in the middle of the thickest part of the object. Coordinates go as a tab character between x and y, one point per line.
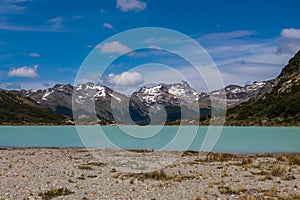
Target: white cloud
290	33
290	41
25	71
114	47
154	47
55	25
12	6
131	5
125	79
107	25
232	34
34	55
57	22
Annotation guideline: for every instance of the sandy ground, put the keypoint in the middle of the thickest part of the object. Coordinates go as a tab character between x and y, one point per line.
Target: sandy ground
45	173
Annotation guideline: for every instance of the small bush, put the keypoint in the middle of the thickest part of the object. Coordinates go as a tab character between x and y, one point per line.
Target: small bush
219	157
156	175
278	170
54	192
85	167
294	159
271	192
92	176
226	190
246	160
190	153
131	181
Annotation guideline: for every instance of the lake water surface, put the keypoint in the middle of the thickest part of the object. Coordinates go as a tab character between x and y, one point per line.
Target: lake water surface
231	139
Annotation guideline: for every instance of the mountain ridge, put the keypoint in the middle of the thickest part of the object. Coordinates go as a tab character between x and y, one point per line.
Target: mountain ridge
278	106
16	109
268	102
169	96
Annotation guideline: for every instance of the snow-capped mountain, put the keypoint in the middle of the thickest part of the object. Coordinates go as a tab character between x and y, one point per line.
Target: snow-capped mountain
168	94
110	105
276	99
236	94
59	99
174	94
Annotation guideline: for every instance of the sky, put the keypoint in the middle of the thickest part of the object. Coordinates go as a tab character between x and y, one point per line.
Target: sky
44	42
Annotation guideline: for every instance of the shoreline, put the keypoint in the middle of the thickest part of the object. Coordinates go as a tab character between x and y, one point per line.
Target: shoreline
239	154
79	173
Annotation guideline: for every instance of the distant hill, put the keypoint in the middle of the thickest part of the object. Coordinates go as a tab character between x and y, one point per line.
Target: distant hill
279	104
16	109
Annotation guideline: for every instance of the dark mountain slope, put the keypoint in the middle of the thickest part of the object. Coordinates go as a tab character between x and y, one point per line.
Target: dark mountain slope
279	106
19	110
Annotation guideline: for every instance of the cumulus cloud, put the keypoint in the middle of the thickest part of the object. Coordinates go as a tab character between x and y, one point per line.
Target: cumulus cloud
114	47
108	26
289	41
131	5
34	55
25	71
125	79
291	33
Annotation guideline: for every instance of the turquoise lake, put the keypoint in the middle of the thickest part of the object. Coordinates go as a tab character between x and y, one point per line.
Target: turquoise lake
231	139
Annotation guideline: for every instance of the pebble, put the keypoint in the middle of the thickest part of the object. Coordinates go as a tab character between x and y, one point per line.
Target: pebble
25	179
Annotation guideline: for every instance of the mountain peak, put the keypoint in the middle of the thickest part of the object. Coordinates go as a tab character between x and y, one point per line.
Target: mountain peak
293	67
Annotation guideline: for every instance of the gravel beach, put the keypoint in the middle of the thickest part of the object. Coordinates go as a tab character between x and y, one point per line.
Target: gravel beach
50	173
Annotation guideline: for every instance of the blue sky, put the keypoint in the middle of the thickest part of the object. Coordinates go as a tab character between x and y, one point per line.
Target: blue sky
43	42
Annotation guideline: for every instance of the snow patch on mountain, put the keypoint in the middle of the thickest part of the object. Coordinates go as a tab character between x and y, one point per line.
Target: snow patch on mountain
47	94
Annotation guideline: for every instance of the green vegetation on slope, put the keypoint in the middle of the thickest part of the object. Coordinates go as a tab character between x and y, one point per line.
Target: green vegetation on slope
281	106
19	110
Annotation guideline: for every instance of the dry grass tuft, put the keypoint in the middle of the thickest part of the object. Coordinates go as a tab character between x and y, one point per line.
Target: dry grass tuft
278	170
219	157
292	159
251	197
289	197
141	150
190	153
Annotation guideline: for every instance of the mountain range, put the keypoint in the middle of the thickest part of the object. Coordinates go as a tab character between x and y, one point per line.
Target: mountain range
271	102
173	97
